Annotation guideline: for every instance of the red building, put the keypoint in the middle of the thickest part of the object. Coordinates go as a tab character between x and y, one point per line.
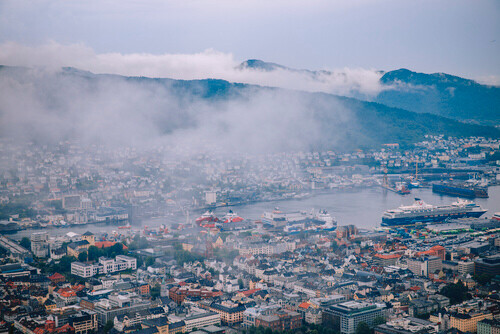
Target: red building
178	294
280	321
57	278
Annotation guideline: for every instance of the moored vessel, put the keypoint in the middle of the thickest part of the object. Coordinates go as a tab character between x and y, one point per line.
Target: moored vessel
421	212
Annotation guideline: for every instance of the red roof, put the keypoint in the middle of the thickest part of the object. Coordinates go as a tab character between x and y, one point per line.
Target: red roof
56	276
305	305
249	292
415	288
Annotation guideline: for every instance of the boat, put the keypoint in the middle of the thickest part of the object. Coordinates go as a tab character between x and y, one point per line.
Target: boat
207	217
329	222
125	227
399	188
9	227
275	217
413	184
460	189
421	212
496	216
231	217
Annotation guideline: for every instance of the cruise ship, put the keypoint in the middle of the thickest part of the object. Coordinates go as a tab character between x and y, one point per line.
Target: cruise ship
421	212
300	220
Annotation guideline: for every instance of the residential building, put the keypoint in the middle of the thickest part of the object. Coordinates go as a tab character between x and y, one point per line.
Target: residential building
230	313
280	320
425	265
467	322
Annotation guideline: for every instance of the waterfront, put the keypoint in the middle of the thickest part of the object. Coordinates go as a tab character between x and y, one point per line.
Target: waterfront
361	207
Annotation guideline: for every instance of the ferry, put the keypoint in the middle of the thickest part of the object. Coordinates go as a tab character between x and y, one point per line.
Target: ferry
125	227
329	222
496	216
207	217
421	212
231	217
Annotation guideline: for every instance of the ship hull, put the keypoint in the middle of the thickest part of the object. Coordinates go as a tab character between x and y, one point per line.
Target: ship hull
460	191
430	218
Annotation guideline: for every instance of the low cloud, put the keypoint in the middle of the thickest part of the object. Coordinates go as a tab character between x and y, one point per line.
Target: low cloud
355	82
47	106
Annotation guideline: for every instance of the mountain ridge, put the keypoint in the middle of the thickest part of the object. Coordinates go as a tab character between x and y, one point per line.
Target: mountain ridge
437	93
323	121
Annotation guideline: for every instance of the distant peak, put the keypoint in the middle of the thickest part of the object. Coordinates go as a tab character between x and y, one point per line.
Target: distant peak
260	65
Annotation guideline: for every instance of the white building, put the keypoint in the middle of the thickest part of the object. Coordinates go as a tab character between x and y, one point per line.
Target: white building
104	266
40	244
201	320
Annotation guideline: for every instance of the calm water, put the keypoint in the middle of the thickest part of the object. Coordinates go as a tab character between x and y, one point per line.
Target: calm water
363	208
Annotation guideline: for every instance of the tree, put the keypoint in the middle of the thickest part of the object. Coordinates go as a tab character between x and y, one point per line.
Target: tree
64	265
82	257
457	292
379	320
150	261
483	279
240	283
93	253
25	242
155	291
108	326
363	328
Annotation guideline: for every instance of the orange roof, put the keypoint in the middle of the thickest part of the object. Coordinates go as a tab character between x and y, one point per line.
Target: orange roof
438	247
388	256
78	287
56	276
66	294
305	305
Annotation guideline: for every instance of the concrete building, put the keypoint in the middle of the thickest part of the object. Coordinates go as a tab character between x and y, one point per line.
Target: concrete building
466	267
104	266
385	260
489	265
345	317
201	320
210	197
230	313
425	266
467	322
488	326
407	326
280	320
71	202
40	244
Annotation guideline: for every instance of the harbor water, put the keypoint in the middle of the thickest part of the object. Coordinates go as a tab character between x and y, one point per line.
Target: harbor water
361	207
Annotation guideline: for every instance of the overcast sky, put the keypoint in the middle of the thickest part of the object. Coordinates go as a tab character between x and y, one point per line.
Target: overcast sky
457	37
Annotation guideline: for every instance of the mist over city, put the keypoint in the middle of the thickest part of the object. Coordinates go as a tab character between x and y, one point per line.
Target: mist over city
250	167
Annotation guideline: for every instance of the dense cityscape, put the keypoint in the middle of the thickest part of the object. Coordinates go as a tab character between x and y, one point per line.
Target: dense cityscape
249	167
78	257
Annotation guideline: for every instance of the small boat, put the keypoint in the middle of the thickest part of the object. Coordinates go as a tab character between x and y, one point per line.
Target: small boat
125	227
